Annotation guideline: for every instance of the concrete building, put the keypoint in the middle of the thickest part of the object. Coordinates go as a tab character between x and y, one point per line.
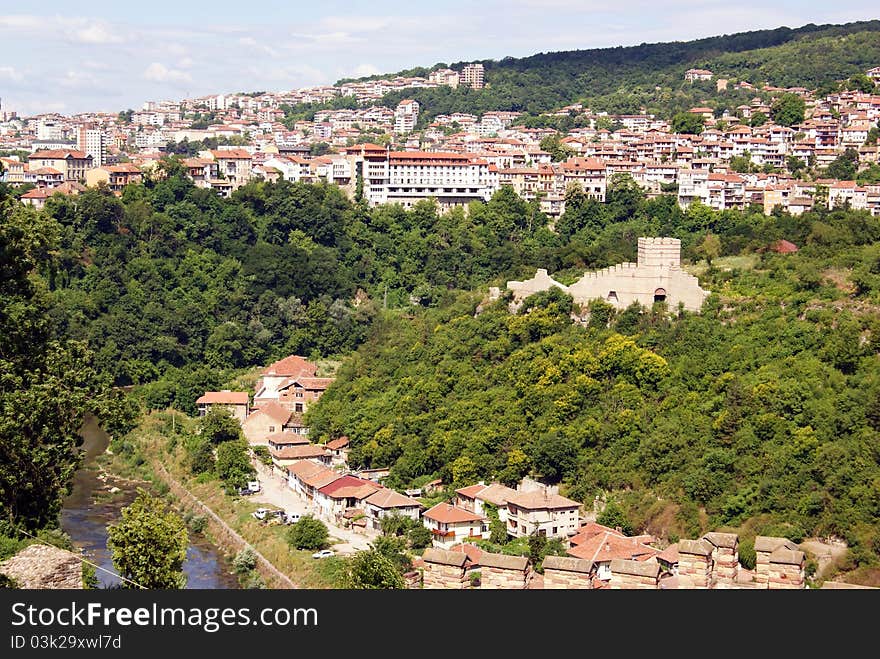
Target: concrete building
73	164
405	116
94	142
472	76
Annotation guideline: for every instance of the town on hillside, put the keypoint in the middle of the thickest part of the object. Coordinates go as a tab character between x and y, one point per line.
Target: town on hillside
753	155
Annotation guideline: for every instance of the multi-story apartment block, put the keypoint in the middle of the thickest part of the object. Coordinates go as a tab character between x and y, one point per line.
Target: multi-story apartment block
94	142
472	76
405	116
406	177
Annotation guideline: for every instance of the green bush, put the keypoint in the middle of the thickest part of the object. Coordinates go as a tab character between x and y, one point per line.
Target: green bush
244	561
308	533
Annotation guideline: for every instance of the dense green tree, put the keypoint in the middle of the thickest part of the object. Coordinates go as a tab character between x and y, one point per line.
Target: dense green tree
372	570
757	119
308	533
788	109
149	544
218	426
687	122
845	166
233	464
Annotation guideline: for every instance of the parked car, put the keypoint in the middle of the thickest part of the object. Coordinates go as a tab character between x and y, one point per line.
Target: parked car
260	513
254	486
324	553
291	518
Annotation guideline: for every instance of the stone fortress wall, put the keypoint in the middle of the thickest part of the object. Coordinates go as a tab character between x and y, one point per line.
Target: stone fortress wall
656	277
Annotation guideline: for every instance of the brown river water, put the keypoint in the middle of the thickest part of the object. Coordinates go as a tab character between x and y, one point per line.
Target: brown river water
85	519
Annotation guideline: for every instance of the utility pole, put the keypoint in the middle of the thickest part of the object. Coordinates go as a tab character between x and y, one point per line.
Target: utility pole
385	299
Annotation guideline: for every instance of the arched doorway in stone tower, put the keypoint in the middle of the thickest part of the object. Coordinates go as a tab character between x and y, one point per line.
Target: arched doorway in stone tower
660	295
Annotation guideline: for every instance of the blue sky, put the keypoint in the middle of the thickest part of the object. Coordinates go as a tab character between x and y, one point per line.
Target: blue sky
110	55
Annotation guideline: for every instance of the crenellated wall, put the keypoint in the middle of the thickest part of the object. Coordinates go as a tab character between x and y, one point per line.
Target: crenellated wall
656	276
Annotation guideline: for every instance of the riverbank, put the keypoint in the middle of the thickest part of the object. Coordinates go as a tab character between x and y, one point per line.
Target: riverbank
154	450
97	496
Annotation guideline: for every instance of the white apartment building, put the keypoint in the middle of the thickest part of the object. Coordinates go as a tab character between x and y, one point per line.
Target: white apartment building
93	142
405	116
406	177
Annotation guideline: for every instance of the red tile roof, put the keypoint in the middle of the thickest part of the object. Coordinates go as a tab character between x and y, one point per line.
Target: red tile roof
608	546
297	452
336	444
447	514
349	487
388	498
292	366
274	411
58	154
223	398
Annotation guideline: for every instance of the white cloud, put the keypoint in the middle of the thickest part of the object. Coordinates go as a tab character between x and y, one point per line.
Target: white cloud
363	70
10	73
157	72
95	33
20	22
78	80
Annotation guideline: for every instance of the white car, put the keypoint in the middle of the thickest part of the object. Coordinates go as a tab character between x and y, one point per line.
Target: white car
260	513
324	553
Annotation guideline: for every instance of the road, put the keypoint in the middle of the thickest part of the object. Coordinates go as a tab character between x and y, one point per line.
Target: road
275	492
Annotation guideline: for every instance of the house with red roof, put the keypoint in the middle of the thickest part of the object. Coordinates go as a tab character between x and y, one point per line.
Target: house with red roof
70	162
236	402
279	373
343	494
267	420
306	477
297	393
450	525
384	502
601	545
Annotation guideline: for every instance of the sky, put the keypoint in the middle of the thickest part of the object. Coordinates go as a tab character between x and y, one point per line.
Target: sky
107	55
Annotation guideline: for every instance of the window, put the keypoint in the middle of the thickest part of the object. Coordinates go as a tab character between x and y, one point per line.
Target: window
271	428
298	407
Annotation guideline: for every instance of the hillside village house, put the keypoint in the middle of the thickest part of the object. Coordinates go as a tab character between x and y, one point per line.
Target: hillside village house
115	176
338	449
601	545
267	420
284	455
306	477
236	402
234	164
542	512
278	374
342	494
450	525
475	497
386	501
297	393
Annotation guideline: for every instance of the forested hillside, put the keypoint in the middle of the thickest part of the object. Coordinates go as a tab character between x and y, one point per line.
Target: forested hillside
172	284
651	76
764	409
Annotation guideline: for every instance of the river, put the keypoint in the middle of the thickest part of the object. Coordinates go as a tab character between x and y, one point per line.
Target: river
85	519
